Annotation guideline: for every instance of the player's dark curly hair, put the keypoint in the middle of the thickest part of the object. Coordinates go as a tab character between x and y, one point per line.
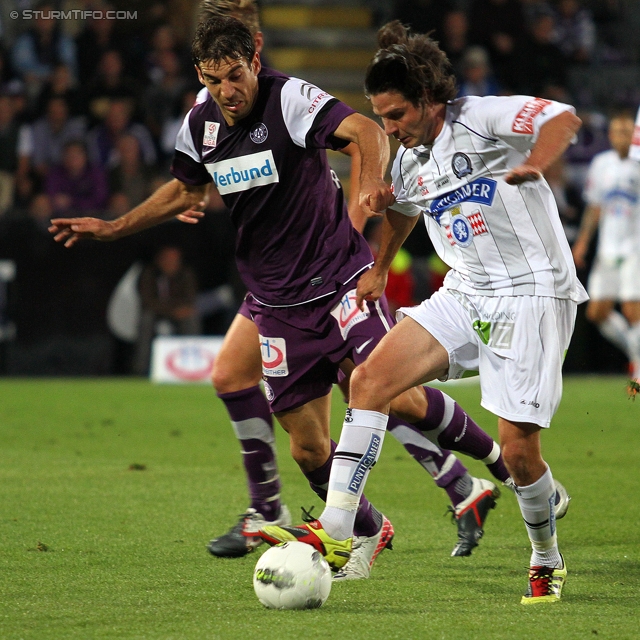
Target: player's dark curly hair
412	65
245	10
222	38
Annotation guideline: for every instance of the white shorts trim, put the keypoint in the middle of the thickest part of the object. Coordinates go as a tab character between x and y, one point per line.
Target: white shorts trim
516	343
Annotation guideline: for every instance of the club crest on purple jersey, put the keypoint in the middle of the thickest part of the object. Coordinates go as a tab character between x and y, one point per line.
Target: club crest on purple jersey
259	133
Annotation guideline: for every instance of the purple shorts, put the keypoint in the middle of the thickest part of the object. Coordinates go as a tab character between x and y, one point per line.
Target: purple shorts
302	346
244	309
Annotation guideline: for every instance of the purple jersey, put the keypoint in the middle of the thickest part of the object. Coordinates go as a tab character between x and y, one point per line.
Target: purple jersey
295	242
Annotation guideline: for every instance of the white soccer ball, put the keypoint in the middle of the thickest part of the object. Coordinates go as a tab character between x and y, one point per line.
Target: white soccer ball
292	575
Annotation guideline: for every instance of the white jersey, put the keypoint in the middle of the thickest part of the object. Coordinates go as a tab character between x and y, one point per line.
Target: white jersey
498	239
613	184
634	151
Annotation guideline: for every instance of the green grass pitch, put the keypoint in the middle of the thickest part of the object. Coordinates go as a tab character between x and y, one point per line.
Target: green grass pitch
110	489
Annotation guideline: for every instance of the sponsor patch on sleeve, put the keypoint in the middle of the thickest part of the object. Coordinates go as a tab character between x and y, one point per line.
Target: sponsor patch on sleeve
523	122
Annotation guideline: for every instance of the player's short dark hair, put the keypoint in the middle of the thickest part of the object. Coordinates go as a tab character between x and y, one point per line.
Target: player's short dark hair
245	10
222	38
412	65
621	112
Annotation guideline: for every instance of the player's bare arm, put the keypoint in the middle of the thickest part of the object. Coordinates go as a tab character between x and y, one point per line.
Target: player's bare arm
554	139
396	227
357	214
588	226
167	202
375	194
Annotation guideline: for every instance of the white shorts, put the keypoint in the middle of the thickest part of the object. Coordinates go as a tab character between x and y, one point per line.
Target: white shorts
615	280
516	343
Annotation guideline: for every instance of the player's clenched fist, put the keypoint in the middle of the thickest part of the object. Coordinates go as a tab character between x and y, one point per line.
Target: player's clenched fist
376	196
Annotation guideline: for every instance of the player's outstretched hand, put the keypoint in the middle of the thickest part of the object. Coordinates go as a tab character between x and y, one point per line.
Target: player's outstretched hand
371	286
192	216
523	173
70	230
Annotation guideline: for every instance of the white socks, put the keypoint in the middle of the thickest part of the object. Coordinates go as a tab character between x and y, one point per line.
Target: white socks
633	339
615	329
358	450
536	503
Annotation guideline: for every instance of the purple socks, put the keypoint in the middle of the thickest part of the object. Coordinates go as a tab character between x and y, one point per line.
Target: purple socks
253	426
447	424
445	469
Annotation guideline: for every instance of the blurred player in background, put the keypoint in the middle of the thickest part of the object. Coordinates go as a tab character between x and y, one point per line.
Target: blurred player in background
473	166
612	193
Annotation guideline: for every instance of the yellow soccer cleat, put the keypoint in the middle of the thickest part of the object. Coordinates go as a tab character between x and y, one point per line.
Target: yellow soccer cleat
335	552
545	584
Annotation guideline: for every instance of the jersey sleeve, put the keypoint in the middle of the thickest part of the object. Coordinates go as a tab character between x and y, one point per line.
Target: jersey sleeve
312	115
186	165
398	187
516	120
203	96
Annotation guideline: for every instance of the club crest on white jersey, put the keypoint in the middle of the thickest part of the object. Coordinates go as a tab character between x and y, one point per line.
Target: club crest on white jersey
244	172
461	165
461	231
463	228
274	357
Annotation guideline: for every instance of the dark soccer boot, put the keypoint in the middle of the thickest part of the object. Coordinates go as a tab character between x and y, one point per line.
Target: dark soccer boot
471	514
243	537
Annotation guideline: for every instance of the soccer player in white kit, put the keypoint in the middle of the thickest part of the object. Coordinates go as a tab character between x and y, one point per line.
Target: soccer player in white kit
473	167
612	194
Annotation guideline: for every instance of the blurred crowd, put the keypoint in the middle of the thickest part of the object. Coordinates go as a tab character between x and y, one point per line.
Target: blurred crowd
88	120
90	108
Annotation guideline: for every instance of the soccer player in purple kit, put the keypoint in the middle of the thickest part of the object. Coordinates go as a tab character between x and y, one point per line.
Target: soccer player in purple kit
237	373
262	140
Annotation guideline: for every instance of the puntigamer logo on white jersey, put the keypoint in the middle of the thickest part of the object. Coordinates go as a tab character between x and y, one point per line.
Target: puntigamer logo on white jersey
244	172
